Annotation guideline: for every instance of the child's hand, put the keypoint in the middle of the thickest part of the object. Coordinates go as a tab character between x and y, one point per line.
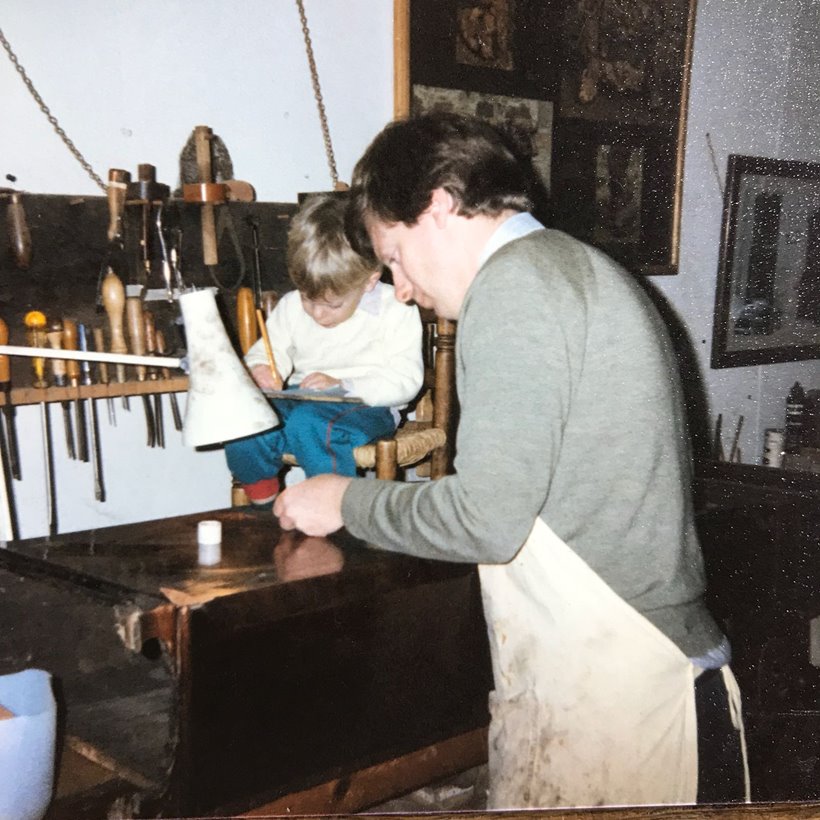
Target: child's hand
319	381
264	378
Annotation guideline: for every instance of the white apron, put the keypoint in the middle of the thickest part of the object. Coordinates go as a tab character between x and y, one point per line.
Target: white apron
593	705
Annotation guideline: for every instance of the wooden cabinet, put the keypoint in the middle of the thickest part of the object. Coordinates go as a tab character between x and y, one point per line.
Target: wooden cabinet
760	529
294	662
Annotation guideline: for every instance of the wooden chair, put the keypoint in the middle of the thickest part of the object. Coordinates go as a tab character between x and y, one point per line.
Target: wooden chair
427	439
424	442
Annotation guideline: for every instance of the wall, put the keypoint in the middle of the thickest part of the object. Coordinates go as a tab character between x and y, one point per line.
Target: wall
128	81
754	91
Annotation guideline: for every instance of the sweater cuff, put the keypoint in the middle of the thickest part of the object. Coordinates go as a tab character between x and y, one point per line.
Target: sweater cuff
356	502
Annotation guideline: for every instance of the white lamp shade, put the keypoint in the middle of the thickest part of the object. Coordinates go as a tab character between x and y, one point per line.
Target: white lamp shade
224	402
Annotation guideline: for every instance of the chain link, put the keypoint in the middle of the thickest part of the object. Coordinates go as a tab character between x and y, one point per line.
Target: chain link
317	93
51	118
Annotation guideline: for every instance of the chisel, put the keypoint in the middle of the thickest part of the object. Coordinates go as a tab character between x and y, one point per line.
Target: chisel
96	461
36	323
166	374
136	335
70	339
113	297
8	408
102	373
151	350
58	370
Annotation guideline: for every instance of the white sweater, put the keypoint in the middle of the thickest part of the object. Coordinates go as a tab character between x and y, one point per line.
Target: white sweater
376	352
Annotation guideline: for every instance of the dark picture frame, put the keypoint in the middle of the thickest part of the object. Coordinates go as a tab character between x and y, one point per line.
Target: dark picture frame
620	128
507	47
767	297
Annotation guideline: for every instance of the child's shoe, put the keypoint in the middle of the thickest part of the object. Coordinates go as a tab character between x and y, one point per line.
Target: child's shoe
262	493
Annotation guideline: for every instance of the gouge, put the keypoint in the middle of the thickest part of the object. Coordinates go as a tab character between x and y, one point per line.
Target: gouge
96	460
70	342
113	297
8	408
136	335
36	323
58	371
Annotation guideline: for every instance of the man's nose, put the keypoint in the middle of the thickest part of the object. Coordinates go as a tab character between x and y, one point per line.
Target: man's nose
403	288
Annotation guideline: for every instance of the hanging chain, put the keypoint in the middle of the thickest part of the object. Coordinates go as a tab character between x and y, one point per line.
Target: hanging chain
51	118
317	92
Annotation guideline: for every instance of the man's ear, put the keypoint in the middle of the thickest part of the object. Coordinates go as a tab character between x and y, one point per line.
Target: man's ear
442	205
372	280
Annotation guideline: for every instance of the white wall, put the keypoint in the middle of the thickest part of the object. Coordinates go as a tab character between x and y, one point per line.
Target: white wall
754	91
128	81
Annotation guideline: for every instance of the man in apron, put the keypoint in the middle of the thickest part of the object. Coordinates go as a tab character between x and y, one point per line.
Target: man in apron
571	488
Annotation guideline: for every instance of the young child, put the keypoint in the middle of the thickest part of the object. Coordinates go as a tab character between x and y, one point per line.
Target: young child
341	330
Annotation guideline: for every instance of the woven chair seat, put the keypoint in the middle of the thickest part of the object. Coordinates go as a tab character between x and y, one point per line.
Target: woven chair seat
414	441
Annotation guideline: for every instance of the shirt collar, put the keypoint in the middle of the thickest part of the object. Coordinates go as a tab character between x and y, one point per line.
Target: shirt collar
371	300
515	227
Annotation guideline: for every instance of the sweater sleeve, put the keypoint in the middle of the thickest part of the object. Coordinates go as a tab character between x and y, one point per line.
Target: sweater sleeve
514	391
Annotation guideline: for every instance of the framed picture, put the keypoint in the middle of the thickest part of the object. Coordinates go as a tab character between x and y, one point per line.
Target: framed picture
507	47
767	299
612	187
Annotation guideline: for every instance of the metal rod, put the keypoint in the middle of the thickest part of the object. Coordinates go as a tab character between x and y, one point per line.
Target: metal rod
91	356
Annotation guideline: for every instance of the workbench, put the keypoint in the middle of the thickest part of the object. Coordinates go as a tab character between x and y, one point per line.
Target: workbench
303	674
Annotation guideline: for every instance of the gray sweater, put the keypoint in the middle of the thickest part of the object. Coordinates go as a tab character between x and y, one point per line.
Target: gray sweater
570	409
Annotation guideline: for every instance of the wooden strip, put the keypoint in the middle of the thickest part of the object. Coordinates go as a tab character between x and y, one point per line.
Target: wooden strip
384	780
33	395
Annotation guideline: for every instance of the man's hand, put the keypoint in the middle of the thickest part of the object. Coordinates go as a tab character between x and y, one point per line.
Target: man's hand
313	506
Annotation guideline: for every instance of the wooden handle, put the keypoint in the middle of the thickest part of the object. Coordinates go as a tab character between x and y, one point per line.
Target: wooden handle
99	346
5	369
166	373
116	192
113	297
136	331
35	323
55	340
202	143
19	235
245	319
70	340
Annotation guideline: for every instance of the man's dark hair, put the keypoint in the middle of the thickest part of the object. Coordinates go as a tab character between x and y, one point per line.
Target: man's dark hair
472	160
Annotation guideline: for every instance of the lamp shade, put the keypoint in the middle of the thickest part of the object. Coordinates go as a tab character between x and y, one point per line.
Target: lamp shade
224	402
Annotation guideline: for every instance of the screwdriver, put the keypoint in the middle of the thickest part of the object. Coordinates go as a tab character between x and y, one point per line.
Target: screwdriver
58	370
8	408
73	372
35	323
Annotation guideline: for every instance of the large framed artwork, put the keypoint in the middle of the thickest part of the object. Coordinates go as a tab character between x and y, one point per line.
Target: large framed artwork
614	75
767	299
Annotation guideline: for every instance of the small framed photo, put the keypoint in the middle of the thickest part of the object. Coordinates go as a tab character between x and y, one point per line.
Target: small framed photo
767	299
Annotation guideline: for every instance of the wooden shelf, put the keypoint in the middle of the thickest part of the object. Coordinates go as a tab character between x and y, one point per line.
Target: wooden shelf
33	395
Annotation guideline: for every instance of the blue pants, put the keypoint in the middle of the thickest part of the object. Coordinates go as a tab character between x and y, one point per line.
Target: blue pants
321	435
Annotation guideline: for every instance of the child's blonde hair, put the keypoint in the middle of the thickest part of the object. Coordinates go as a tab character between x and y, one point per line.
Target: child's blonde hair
320	258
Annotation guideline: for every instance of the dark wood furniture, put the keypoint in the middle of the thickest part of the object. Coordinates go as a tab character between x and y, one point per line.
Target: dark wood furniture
295	662
760	529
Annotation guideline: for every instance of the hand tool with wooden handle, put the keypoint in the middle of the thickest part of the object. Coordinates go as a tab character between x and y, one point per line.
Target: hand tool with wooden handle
246	319
18	231
10	437
151	349
136	335
58	370
70	342
36	323
113	296
202	142
96	459
102	374
117	186
166	374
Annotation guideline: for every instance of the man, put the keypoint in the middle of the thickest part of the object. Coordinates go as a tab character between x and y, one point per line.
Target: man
571	485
